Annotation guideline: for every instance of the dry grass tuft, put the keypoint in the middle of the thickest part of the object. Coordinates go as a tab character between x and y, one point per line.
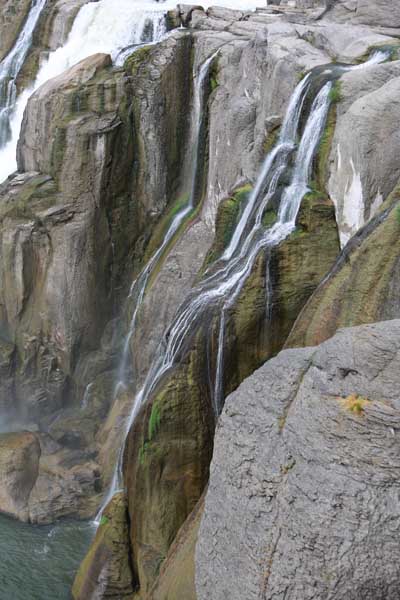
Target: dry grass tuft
355	403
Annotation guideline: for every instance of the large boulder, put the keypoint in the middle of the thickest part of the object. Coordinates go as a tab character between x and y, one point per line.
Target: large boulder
303	495
19	468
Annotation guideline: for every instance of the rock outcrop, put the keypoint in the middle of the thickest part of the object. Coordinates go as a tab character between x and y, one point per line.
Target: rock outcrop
363	286
70	224
19	468
360	180
303	493
170	444
106	571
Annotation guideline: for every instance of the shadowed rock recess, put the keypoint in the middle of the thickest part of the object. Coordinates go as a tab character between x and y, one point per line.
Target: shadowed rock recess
195	219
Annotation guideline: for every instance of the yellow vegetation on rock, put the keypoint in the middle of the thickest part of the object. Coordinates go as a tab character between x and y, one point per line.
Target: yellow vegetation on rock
355	403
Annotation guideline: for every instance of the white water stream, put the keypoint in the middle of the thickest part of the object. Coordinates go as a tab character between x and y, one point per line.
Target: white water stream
99	27
138	287
11	67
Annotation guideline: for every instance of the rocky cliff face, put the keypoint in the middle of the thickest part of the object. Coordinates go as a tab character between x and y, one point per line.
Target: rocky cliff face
106	162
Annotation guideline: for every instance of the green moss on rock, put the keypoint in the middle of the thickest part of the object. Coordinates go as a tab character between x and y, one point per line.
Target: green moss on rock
269	218
137	58
36	194
324	149
271	140
363	287
166	478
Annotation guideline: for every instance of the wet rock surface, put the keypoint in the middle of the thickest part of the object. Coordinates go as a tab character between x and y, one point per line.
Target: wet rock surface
19	467
12	16
106	570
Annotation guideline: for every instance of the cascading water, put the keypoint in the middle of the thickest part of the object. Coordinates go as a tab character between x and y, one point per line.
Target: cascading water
138	287
222	287
287	140
11	67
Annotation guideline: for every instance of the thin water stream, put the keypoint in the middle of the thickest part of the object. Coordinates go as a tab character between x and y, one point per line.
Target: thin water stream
139	285
11	67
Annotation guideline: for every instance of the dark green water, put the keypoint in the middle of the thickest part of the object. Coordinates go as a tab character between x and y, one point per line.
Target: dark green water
39	563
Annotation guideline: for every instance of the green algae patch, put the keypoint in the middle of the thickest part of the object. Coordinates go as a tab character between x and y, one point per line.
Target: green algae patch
324	149
270	217
335	95
137	58
362	288
154	421
36	194
104	520
271	139
213	74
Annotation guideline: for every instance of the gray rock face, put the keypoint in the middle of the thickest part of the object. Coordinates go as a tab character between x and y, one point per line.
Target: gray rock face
67	225
378	13
303	501
61	20
364	169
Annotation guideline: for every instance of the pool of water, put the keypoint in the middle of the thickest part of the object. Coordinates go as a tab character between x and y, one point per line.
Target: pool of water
40	562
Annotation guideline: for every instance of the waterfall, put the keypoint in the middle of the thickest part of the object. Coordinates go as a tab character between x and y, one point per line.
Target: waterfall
11	67
218	386
138	287
225	286
98	27
287	140
221	289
